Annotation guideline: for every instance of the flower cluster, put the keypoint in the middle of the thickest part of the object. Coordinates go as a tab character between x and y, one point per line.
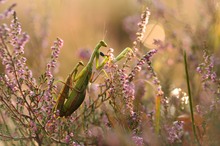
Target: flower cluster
30	104
7	12
139	35
141	62
141	28
211	82
176	132
206	69
22	98
122	88
52	124
53	61
138	140
12	55
17	99
49	75
122	95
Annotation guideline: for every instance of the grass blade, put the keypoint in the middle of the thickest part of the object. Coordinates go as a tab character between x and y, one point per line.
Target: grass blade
190	99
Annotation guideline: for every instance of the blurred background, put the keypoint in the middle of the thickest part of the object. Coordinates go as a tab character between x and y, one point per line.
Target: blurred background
192	25
177	25
80	23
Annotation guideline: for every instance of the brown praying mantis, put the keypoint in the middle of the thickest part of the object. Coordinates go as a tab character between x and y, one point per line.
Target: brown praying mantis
72	96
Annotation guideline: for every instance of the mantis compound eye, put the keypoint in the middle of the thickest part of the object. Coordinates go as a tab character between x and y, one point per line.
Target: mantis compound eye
102	54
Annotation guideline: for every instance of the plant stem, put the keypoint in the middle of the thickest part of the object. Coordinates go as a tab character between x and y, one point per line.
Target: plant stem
190	99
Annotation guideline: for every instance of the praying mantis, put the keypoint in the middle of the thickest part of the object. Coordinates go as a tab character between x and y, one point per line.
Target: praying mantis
72	96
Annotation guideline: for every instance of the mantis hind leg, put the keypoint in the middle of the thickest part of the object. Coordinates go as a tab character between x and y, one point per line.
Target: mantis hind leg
72	75
64	94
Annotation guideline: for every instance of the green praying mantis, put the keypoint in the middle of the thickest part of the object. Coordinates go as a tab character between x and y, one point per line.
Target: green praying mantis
73	95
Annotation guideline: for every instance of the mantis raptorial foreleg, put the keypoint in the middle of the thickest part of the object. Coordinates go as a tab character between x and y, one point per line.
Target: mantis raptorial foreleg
93	79
122	54
71	97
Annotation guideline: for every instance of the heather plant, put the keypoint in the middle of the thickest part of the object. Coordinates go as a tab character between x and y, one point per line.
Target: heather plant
128	103
28	103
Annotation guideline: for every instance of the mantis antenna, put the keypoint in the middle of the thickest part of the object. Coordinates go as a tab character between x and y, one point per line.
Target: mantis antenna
104	31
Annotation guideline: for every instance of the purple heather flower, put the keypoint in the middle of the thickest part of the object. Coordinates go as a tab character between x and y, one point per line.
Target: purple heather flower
84	54
175	133
199	70
7	12
137	68
141	29
53	62
206	69
75	144
4	31
3	1
20	43
128	91
10	84
33	126
139	141
67	138
213	76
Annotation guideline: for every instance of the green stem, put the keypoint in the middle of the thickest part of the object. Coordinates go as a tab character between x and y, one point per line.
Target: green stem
190	99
